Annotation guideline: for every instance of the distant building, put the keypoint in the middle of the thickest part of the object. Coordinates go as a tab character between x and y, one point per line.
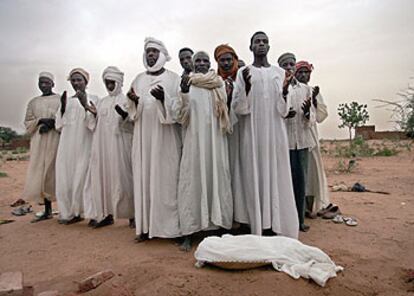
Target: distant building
367	132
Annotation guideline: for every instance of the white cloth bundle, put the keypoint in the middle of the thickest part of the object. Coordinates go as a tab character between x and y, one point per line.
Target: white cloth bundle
285	254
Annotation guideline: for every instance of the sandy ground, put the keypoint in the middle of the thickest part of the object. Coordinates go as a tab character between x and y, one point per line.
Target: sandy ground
376	254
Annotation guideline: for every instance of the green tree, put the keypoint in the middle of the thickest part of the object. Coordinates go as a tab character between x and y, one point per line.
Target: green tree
7	134
352	115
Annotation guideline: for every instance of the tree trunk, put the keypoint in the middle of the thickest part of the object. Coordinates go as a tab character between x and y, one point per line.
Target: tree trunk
350	137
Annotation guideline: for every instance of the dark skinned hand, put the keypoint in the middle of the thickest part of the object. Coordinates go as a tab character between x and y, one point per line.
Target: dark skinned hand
121	112
44	129
133	96
315	93
229	87
158	93
91	108
291	114
286	83
247	80
185	83
306	107
81	95
50	122
63	100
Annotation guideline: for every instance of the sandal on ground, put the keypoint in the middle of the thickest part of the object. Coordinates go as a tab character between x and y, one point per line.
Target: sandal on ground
324	210
350	221
332	213
18	202
22	210
338	219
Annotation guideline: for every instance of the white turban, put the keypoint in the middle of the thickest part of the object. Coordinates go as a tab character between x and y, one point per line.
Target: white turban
81	72
46	75
113	73
164	57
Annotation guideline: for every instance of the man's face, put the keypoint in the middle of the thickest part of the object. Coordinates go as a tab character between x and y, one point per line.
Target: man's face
186	60
45	85
78	82
289	65
110	84
226	62
303	75
152	54
202	63
260	45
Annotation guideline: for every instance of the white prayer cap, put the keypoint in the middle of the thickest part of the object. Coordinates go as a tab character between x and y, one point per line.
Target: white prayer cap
155	43
46	75
113	73
81	72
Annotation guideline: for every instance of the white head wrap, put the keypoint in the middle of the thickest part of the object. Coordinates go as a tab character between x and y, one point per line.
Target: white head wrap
81	72
162	59
46	75
113	73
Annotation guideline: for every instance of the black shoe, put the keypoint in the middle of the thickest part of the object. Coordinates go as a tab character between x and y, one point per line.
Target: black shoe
109	220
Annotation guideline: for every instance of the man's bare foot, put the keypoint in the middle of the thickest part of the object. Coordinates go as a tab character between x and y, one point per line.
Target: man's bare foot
186	245
141	238
109	220
45	216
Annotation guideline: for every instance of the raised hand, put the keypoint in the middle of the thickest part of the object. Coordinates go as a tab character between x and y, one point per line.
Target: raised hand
133	96
291	114
82	98
315	93
121	112
158	93
229	87
185	84
288	79
306	107
247	80
91	108
63	100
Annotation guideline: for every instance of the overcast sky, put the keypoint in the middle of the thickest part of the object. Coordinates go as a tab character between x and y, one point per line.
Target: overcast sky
361	50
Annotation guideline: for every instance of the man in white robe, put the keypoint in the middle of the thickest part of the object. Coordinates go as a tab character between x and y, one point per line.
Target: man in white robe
299	133
109	187
156	145
204	192
40	125
264	152
74	120
317	184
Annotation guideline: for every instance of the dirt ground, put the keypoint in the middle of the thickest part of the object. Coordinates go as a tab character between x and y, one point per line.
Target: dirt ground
376	254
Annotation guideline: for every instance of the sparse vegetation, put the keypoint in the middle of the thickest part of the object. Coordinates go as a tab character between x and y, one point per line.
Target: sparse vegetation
352	115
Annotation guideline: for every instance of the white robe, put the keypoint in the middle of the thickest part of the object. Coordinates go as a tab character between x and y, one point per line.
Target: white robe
265	184
109	185
317	184
155	156
40	177
73	156
204	192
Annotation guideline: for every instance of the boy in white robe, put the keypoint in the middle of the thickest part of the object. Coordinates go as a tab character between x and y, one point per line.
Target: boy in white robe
73	120
40	125
264	150
109	186
156	145
317	195
204	192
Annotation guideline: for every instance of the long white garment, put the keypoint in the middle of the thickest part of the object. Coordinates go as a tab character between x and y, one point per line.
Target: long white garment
40	177
204	192
72	159
155	156
109	185
317	184
265	184
285	254
299	127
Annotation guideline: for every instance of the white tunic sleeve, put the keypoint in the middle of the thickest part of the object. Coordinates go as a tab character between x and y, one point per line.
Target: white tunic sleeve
321	110
30	120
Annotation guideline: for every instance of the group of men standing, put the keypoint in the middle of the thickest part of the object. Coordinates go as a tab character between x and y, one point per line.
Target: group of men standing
182	154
